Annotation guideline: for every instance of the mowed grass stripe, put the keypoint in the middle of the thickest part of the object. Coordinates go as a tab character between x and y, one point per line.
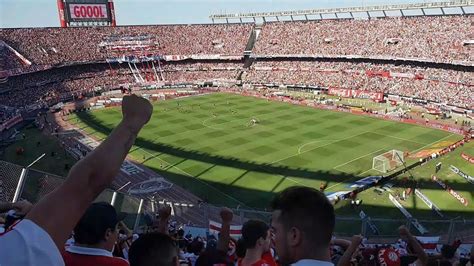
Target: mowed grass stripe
251	163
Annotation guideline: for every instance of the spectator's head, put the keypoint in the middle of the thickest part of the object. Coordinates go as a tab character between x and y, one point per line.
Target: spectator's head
302	223
98	227
180	233
196	247
153	249
256	235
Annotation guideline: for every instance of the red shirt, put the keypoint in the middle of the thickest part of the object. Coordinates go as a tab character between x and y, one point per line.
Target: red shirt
81	256
266	260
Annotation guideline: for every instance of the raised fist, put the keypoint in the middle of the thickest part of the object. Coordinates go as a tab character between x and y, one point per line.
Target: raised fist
357	239
136	111
226	215
403	231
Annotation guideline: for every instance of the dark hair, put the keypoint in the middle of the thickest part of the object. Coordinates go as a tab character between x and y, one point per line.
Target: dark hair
240	249
95	222
253	230
448	251
308	210
196	247
153	249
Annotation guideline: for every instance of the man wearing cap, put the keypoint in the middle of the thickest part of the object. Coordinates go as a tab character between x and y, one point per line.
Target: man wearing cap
95	236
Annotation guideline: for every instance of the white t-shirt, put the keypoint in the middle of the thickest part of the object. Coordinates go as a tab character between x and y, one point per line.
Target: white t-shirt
28	244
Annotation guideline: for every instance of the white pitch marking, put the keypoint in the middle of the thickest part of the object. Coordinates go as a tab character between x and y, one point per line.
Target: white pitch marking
429	144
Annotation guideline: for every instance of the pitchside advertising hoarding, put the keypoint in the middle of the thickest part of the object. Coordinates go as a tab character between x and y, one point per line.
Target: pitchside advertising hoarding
86	13
348	93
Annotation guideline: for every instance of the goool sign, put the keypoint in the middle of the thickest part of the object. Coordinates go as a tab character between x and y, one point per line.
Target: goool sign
88	11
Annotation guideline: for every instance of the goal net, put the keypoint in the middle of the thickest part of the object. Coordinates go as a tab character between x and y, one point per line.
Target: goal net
387	161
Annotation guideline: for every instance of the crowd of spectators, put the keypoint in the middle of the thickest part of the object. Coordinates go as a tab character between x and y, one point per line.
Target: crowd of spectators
42	90
6	113
438	38
434	84
201	66
434	38
8	60
440	85
51	46
182	72
199	76
100	237
56	84
453	87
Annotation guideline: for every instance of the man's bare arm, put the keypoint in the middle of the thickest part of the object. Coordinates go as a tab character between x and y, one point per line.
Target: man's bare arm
345	260
5	206
164	214
341	242
224	237
59	211
21	207
415	245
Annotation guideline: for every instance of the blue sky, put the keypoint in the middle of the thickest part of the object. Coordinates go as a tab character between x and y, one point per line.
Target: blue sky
43	13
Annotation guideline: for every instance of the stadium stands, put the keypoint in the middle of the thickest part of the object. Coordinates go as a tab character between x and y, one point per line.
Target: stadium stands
56	46
429	39
8	60
285	53
438	85
435	39
58	84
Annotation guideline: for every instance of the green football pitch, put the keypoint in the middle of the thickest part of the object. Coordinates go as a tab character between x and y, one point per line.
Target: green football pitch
208	145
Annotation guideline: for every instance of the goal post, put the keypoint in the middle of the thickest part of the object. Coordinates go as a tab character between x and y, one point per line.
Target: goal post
388	161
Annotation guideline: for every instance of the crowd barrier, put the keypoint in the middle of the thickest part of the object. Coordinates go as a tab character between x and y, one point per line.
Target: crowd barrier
38	184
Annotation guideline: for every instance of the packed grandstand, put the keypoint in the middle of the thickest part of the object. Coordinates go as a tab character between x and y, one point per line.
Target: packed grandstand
423	61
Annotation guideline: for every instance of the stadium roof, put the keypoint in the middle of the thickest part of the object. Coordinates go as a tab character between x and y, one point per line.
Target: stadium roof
350	10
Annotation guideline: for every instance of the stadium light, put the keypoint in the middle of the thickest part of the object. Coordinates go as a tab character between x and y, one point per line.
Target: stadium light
114	197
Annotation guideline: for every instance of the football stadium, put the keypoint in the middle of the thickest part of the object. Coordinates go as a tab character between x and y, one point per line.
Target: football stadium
370	106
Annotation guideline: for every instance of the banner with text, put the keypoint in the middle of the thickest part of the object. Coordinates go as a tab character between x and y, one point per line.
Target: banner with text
456	170
450	190
412	220
428	202
370	223
348	93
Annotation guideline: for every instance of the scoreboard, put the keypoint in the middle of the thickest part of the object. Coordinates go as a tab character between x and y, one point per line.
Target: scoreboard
76	13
